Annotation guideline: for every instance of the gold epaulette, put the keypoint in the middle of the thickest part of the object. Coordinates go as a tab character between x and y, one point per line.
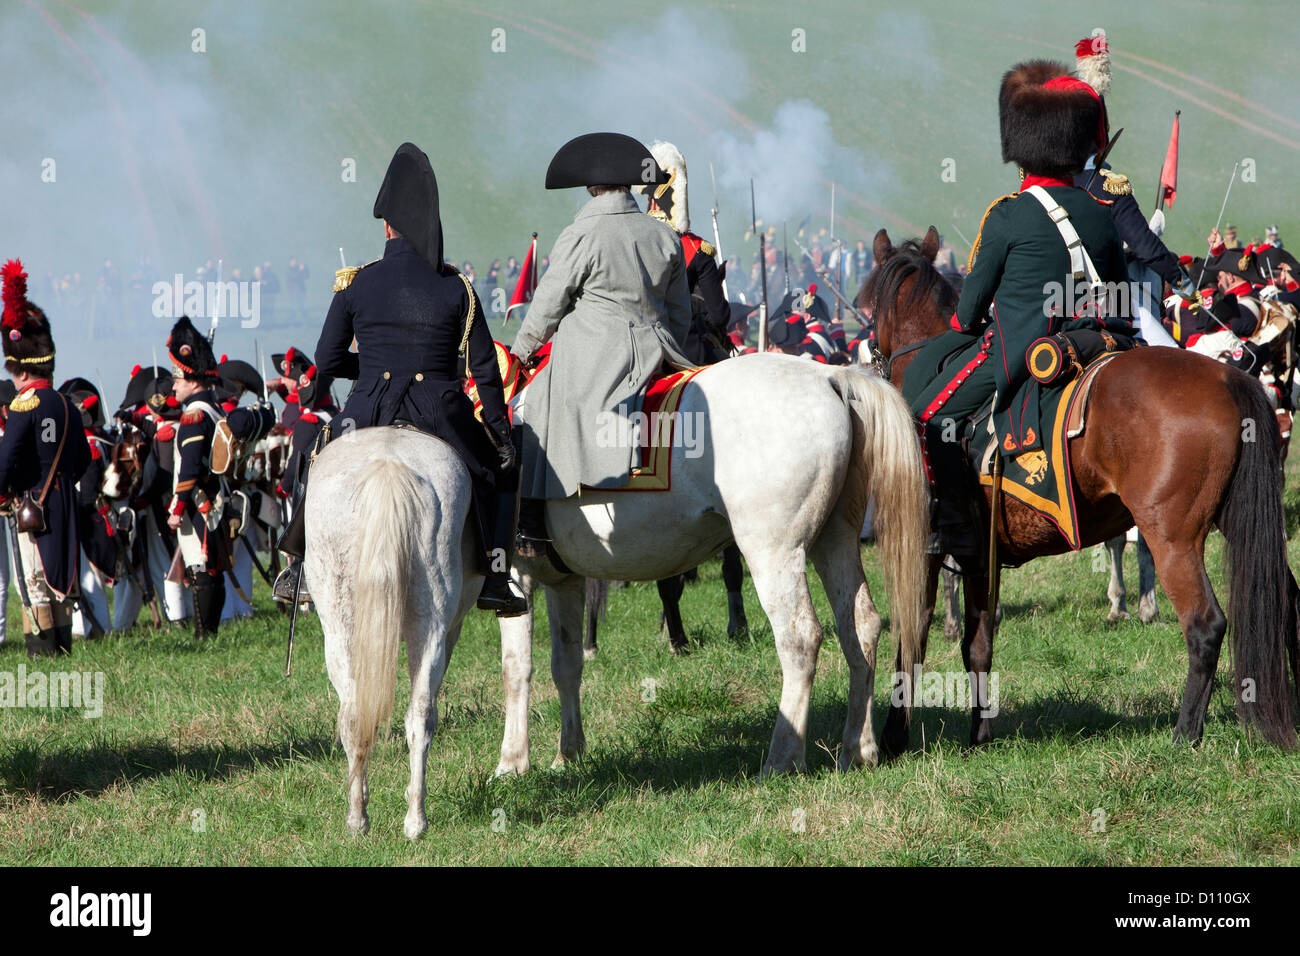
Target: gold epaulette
25	401
708	248
1116	184
970	261
343	277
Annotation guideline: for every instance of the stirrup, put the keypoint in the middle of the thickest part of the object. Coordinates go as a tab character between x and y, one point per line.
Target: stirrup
503	597
282	591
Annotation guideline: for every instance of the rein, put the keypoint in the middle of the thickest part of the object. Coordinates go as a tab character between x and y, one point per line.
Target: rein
885	362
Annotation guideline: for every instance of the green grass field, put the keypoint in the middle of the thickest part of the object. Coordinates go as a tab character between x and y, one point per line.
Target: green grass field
206	754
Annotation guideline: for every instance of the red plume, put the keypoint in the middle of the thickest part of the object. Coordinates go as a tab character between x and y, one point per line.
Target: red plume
135	371
224	359
89	402
16	306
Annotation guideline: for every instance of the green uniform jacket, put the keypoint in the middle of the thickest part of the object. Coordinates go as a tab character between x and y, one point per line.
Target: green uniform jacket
1022	270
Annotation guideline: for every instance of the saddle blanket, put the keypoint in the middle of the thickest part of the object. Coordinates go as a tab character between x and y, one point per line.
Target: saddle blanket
658	410
1042	478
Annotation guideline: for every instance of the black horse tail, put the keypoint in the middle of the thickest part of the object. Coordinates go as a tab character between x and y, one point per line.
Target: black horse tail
1262	612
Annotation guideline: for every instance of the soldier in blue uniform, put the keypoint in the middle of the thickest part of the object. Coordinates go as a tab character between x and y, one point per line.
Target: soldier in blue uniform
195	510
414	319
308	407
1144	246
42	454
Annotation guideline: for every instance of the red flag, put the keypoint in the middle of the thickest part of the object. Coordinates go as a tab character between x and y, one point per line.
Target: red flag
527	284
1169	174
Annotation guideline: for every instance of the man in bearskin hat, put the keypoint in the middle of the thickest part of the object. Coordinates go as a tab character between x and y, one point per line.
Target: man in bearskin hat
42	454
413	317
197	499
710	313
615	305
1051	123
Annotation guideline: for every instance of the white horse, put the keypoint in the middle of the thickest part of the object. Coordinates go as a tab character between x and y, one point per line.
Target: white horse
389	558
792	451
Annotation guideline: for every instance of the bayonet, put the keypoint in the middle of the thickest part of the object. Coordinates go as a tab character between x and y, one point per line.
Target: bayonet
717	238
762	270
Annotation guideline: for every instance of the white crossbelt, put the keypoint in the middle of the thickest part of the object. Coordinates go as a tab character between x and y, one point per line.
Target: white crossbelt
1080	262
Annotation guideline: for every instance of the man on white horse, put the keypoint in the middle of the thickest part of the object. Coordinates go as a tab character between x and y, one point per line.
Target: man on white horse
615	305
411	315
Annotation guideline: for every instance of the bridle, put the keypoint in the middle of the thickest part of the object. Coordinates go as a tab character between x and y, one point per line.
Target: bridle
885	363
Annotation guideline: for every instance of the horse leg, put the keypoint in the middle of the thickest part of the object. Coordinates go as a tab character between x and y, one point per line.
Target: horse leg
564	606
977	653
670	594
1181	565
839	564
733	577
1148	610
951	600
517	676
427	663
1115	589
782	585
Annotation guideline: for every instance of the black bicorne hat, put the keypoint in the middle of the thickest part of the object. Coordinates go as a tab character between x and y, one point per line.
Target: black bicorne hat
241	373
603	159
191	352
309	383
408	201
786	331
152	387
87	399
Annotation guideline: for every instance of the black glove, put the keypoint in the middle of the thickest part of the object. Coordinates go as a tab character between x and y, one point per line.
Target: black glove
506	454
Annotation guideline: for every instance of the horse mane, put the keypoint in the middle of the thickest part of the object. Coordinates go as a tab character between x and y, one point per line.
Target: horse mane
880	293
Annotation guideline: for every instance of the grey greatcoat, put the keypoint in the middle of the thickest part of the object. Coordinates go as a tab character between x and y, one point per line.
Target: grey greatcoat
614	304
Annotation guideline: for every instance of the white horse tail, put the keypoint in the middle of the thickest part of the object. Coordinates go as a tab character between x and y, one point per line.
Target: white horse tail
388	495
887	468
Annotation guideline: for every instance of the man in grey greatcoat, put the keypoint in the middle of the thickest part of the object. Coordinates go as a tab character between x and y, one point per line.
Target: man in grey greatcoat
615	305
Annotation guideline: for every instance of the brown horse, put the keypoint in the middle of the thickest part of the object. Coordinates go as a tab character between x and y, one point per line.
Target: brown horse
1204	453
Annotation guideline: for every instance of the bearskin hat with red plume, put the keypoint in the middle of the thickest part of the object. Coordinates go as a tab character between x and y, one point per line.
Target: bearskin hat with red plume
28	346
191	353
1051	122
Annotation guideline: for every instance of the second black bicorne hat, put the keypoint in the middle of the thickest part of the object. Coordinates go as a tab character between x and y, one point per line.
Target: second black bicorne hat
603	159
408	201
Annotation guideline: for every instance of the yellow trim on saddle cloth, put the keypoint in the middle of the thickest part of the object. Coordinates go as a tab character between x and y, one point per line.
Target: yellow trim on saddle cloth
1061	513
970	261
655	472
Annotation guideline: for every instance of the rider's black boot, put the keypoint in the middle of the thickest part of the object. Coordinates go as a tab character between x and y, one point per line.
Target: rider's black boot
500	593
533	538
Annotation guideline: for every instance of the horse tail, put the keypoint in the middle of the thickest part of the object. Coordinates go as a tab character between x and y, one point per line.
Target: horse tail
1262	609
887	469
388	495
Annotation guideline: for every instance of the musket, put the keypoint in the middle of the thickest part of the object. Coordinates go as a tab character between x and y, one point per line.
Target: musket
821	271
785	256
717	238
762	270
836	253
1101	158
1218	222
216	312
22	576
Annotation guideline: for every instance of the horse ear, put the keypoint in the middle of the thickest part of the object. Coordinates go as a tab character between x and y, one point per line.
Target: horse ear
930	244
881	247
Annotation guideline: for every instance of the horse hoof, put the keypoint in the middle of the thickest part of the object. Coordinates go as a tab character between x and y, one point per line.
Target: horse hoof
589	653
509	770
737	628
359	826
1148	611
869	757
952	633
416	828
1115	615
679	650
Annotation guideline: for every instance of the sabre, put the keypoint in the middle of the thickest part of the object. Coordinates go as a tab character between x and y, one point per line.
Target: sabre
342	258
1101	158
762	270
1218	222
